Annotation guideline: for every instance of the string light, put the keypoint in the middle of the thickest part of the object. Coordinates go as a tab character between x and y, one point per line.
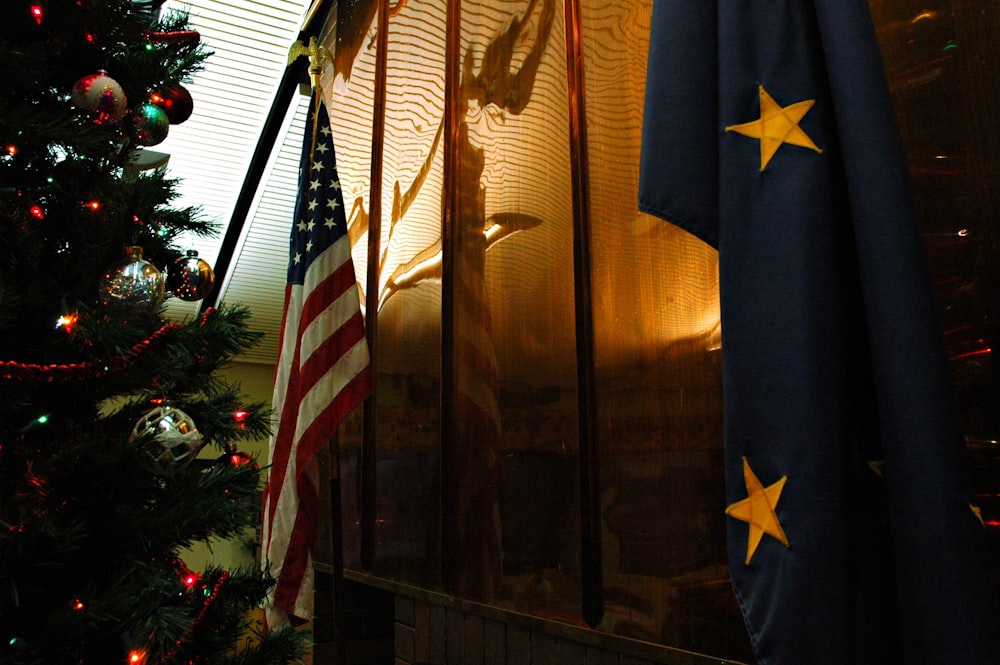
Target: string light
136	657
35	422
36	11
93	205
37	212
67	321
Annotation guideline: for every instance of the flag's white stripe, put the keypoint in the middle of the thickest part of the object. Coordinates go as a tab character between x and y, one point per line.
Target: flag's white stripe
290	330
327	262
337	313
328	387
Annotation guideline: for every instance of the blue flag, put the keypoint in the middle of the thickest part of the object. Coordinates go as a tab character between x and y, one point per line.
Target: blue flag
769	133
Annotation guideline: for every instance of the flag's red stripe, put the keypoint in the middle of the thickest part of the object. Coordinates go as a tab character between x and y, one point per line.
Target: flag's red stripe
300	381
331	350
303	535
325	291
284	437
322	429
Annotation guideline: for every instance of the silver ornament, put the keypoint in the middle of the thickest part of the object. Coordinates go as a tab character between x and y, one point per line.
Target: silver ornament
133	283
175	433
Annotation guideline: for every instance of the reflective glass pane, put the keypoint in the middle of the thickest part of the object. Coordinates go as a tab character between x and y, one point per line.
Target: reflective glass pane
408	412
942	58
515	421
658	372
349	87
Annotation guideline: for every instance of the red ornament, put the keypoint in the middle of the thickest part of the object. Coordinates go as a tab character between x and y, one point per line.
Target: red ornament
237	458
175	101
190	278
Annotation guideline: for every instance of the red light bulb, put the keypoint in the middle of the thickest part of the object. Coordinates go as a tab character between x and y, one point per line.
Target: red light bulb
36	11
36	211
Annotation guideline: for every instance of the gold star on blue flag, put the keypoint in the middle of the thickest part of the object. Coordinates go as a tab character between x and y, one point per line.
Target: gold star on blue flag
776	126
758	510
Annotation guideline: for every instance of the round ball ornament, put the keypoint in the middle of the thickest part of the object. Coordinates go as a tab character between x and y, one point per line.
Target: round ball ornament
237	458
190	278
133	283
175	101
149	124
175	434
100	95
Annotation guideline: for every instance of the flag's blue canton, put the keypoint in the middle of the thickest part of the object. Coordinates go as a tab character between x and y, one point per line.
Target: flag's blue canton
770	134
319	206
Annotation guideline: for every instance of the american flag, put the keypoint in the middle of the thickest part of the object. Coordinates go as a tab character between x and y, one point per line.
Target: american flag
323	371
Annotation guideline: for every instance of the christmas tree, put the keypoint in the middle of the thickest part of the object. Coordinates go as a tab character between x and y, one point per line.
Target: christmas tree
105	404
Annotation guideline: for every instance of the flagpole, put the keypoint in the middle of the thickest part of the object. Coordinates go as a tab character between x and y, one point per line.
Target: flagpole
295	73
311	13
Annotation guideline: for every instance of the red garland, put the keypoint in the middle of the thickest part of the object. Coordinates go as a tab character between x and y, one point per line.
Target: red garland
223	578
13	370
176	37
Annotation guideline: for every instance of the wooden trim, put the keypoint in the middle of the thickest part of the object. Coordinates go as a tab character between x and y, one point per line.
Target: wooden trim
643	651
